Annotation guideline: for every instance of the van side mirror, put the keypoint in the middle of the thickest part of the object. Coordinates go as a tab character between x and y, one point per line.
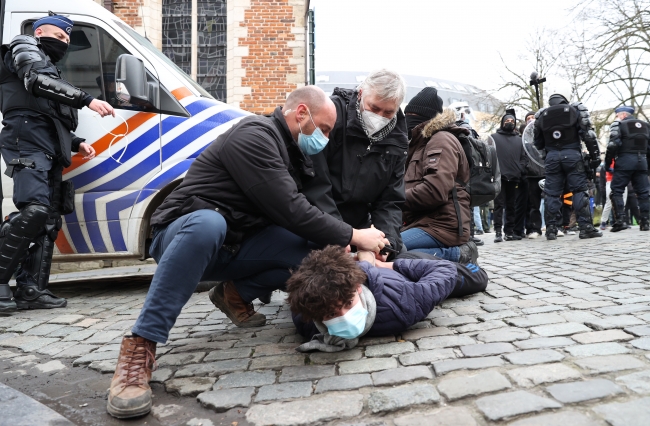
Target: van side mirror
131	80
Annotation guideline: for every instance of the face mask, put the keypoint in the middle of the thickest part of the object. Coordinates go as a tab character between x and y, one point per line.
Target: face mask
374	122
53	48
350	325
314	143
509	127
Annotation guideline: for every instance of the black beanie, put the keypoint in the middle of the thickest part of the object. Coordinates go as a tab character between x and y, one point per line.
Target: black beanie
426	103
528	115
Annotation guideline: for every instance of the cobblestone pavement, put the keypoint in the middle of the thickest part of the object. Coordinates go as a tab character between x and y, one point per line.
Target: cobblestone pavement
561	337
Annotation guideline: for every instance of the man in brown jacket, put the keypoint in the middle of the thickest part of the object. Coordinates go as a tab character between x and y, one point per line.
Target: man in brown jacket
436	213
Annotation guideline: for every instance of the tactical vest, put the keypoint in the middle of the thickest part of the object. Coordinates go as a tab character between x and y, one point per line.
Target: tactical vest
559	126
13	95
634	136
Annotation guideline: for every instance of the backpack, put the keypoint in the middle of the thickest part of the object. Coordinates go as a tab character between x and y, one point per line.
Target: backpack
484	178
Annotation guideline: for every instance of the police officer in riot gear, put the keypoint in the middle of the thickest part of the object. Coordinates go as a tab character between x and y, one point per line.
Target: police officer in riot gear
559	129
39	111
629	145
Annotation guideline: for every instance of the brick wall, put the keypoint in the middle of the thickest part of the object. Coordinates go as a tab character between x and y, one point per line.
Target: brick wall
144	16
266	52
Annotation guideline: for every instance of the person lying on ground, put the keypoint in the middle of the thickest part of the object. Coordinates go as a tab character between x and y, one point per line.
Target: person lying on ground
336	299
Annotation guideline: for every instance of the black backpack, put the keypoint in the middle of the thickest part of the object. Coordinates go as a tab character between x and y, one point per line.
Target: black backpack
484	178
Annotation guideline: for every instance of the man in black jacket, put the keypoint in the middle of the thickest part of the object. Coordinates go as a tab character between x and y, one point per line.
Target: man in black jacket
238	216
512	163
360	174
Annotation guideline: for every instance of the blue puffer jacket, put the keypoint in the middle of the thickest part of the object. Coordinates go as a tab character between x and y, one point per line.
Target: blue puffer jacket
404	295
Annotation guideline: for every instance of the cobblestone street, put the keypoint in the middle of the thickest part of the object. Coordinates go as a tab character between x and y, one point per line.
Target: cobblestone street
561	337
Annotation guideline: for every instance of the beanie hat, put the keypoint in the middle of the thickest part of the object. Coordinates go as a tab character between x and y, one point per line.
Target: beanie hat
529	114
426	103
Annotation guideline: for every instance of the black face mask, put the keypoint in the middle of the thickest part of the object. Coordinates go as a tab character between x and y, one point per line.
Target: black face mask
412	121
509	127
54	48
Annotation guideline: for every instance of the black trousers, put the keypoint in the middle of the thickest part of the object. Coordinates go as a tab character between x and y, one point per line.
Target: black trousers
521	207
505	201
534	216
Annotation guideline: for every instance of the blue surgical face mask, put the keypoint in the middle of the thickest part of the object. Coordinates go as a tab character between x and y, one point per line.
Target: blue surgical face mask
350	325
314	143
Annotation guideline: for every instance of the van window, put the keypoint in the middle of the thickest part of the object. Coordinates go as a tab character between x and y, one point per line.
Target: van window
110	50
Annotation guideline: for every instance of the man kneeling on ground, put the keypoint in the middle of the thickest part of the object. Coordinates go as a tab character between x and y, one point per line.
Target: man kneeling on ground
237	217
335	300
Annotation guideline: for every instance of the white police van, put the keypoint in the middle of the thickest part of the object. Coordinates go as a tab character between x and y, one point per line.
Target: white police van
144	152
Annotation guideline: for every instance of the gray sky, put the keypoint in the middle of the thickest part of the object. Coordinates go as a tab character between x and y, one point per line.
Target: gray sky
457	40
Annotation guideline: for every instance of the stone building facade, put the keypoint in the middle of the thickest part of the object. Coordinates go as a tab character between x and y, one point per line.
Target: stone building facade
248	53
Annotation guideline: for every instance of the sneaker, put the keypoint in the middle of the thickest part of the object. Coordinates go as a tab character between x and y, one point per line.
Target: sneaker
225	297
645	225
569	231
130	394
479	232
560	233
498	238
533	235
468	253
603	226
512	237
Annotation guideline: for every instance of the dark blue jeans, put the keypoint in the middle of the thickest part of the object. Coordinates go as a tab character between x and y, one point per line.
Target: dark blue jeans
415	239
189	250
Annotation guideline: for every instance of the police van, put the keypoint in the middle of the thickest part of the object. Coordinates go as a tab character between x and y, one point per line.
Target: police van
163	121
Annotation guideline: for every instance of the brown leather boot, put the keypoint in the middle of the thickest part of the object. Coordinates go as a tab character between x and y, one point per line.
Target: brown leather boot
225	297
130	394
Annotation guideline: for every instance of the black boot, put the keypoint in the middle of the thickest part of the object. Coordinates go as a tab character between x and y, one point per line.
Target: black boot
498	237
551	232
588	231
7	303
468	253
618	211
34	275
644	210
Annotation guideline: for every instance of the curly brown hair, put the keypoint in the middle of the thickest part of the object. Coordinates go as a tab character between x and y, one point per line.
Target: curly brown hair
324	283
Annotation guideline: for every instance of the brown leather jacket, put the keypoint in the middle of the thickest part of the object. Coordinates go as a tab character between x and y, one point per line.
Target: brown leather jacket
436	163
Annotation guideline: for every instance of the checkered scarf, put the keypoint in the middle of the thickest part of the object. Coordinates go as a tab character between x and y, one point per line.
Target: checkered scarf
381	134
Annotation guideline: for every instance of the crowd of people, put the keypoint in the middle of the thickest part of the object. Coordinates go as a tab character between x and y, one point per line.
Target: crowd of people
364	214
553	184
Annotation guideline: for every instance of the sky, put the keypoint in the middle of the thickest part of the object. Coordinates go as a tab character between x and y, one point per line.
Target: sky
455	40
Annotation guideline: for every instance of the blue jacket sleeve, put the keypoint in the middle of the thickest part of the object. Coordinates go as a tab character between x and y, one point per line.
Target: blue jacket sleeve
432	281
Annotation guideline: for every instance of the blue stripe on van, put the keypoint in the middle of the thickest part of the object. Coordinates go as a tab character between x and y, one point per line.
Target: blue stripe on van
74	229
113	209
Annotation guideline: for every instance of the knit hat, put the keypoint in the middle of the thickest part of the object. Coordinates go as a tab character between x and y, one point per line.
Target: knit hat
60	21
426	103
528	115
628	109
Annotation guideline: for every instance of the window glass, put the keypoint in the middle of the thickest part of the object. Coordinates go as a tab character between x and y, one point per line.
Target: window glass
110	50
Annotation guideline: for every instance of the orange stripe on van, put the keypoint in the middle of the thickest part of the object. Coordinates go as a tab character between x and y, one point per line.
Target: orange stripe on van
181	92
63	244
102	144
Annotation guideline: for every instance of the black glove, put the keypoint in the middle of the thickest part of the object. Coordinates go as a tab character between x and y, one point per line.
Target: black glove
594	163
